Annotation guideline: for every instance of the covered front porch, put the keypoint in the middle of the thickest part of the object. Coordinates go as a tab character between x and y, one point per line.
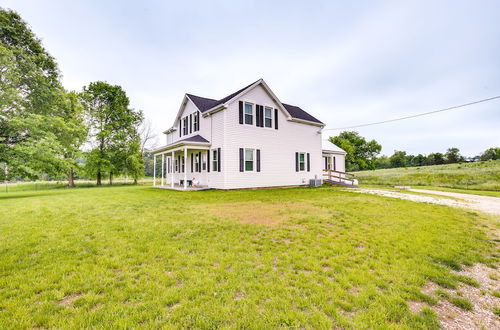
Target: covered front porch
182	188
183	166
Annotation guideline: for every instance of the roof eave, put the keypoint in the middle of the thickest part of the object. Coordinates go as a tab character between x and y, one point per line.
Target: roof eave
171	129
215	109
181	143
326	151
303	121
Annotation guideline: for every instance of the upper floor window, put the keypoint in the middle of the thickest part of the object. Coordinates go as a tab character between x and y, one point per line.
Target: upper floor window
196	122
248	113
268	117
248	159
185	125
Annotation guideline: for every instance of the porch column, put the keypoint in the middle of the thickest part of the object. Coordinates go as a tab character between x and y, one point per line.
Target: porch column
185	166
154	170
162	167
172	169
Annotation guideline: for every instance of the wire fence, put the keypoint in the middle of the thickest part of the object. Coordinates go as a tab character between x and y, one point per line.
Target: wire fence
11	187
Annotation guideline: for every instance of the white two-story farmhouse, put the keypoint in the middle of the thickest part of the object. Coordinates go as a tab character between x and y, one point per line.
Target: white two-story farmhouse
248	139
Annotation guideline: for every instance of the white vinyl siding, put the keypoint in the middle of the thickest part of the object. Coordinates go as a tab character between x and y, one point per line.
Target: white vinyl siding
278	147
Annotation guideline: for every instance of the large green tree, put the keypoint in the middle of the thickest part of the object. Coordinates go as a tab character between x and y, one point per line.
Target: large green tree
361	154
72	134
113	129
398	159
490	154
453	156
30	99
41	127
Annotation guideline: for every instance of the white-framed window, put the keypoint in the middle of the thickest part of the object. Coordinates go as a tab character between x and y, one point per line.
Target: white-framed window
302	161
328	162
215	160
248	113
197	162
195	122
249	160
182	164
185	125
268	117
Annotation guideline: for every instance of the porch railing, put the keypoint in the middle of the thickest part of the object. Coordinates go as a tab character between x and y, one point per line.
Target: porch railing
338	176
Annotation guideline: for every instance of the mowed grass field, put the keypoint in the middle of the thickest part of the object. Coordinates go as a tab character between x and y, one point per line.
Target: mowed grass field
130	256
475	176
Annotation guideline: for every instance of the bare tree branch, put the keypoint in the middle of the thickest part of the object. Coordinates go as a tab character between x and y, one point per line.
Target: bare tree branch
149	137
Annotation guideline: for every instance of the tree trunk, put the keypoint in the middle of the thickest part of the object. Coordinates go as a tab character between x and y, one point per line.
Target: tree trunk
135	181
71	178
101	153
110	178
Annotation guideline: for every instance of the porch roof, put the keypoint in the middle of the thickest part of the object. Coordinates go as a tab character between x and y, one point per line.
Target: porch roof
330	148
193	141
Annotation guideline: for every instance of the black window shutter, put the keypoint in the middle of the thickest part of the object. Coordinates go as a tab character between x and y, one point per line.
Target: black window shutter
258	160
191	123
199	162
242	161
208	161
296	162
275	118
308	163
261	116
241	112
180	132
179	162
326	163
334	165
192	156
218	159
257	113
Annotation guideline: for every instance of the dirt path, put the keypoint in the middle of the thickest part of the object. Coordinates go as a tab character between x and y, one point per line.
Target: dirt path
480	203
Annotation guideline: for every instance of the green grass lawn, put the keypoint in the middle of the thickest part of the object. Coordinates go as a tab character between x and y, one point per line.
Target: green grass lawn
475	176
133	256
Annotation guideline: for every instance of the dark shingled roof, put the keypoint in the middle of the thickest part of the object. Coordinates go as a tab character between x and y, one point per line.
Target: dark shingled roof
195	138
205	104
202	102
298	113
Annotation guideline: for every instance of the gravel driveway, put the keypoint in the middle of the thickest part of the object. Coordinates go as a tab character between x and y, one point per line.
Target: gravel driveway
476	202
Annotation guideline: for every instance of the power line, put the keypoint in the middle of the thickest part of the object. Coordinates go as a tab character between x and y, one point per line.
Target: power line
417	115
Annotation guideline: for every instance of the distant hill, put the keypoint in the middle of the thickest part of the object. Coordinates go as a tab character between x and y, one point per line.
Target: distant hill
477	175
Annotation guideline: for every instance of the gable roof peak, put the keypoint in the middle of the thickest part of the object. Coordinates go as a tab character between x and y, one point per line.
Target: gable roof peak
205	104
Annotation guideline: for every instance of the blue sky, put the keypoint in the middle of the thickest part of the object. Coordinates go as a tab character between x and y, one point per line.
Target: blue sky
347	63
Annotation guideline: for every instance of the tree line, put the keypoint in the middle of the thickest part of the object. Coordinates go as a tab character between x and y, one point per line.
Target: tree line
48	131
364	155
